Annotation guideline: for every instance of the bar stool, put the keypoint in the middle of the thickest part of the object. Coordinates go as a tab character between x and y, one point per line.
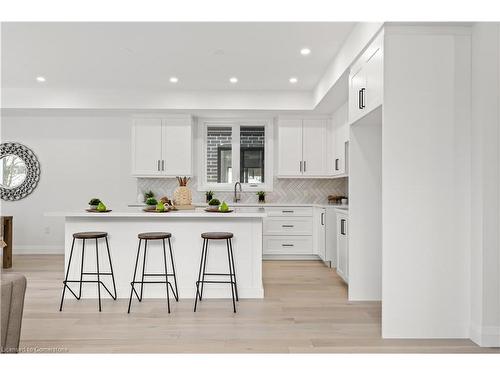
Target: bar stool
203	263
89	236
151	236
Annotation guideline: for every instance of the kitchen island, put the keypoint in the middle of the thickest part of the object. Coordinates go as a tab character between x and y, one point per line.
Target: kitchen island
186	227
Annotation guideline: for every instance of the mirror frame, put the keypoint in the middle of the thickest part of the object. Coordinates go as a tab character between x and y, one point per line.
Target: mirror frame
32	167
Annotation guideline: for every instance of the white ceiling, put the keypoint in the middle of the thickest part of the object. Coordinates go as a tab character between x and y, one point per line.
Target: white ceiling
143	56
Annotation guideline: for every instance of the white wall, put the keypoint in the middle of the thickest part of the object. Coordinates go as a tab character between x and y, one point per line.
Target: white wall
485	218
365	208
426	183
81	157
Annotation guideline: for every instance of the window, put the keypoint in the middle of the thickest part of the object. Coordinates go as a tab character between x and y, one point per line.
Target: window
236	151
252	146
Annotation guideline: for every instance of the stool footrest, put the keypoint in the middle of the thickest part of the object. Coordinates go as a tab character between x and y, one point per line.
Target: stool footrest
150	282
158	274
218	274
95	273
215	282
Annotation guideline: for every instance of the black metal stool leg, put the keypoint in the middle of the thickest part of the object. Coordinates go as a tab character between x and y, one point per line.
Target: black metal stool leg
81	270
199	275
231	276
204	270
234	270
176	294
132	290
111	267
143	267
166	274
98	273
67	273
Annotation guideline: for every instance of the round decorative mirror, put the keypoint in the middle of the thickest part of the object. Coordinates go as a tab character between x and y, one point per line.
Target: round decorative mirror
19	171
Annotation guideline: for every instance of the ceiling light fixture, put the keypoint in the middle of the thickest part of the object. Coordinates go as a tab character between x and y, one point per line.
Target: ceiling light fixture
293	80
305	51
174	79
233	80
40	79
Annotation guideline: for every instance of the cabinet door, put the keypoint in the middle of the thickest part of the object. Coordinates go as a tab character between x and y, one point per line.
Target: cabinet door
374	79
290	147
177	147
146	147
357	88
320	233
314	147
342	248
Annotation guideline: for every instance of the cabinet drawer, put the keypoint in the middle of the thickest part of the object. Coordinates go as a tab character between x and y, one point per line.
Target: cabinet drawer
288	245
292	226
289	211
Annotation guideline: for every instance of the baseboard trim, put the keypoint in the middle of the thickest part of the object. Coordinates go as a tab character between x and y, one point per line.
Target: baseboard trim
486	337
290	257
36	250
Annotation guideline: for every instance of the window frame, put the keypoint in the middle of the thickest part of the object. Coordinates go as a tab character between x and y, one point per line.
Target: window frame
236	124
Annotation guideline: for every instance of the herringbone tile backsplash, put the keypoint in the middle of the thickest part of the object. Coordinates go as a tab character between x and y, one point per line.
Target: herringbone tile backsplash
287	190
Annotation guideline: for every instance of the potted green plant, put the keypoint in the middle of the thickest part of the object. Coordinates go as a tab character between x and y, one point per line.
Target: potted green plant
214	202
151	203
148	194
93	203
262	196
209	195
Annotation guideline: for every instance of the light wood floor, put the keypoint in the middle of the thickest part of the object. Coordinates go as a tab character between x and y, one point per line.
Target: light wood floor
305	310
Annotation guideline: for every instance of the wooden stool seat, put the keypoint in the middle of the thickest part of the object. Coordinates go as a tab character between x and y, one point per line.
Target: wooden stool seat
89	235
154	235
217	235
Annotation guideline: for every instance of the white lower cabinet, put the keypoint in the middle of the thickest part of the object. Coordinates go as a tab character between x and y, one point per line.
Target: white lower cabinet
342	246
296	233
288	231
320	233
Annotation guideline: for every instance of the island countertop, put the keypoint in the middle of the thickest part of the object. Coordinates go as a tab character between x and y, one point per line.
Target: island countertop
135	213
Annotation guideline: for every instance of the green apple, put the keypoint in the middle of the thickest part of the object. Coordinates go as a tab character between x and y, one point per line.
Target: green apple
223	207
160	206
101	207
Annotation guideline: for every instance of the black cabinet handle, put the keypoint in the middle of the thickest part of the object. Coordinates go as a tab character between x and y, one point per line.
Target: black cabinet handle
360	101
362	91
304	165
158	165
287	245
163	165
322	218
287	211
342	226
287	226
300	165
336	164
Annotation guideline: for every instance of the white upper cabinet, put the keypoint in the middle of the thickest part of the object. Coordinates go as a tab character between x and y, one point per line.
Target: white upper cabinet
302	150
366	81
314	147
340	139
162	147
290	147
177	147
146	147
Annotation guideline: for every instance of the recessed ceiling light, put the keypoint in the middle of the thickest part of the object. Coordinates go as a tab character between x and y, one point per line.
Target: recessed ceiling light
305	51
233	80
174	79
293	80
40	79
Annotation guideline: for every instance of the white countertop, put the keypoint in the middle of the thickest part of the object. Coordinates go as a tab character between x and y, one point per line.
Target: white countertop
197	213
320	205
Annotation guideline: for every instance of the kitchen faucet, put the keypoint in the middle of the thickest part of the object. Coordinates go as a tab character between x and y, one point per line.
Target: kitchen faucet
237	196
